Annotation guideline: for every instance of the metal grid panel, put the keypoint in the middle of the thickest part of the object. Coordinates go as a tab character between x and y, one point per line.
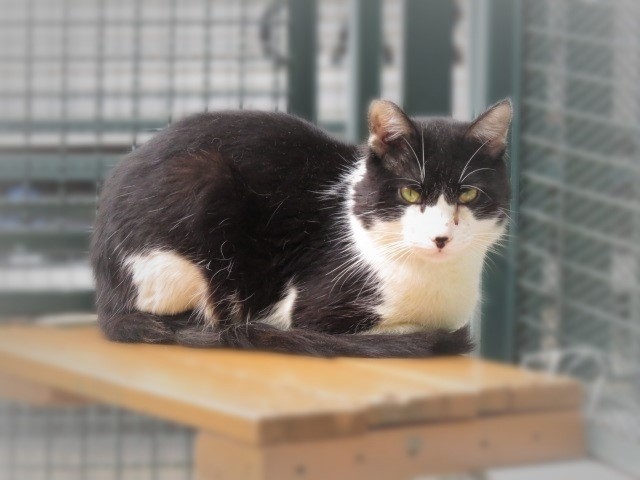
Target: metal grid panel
94	442
579	230
334	57
83	80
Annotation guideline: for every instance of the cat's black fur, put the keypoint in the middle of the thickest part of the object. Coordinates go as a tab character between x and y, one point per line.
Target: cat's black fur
257	200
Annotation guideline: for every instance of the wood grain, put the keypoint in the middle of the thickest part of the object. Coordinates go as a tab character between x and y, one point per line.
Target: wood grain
401	452
263	398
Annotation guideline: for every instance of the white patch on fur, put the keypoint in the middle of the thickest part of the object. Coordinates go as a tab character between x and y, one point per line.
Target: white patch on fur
167	284
420	228
422	286
354	178
280	313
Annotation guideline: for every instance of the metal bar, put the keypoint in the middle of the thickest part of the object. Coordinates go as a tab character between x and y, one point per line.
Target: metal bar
171	59
586	312
33	303
544	68
301	80
136	59
242	47
595	275
46	239
428	56
365	32
578	38
607	240
499	77
585	155
112	58
564	110
207	55
123	22
553	183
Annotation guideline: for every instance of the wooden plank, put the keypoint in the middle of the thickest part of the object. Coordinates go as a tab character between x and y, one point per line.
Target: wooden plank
316	386
385	399
500	387
36	395
187	386
401	452
266	398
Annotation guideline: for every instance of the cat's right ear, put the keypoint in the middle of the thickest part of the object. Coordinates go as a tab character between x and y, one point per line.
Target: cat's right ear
388	124
492	127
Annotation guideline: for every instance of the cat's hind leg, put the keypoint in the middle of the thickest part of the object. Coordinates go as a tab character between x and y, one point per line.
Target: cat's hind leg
167	283
156	293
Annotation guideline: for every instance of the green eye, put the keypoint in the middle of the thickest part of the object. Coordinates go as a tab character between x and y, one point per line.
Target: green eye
468	195
410	195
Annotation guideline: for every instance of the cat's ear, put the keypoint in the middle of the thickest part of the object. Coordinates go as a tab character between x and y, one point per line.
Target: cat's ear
492	127
388	124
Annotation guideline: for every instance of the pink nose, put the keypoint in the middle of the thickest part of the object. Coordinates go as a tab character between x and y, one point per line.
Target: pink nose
441	241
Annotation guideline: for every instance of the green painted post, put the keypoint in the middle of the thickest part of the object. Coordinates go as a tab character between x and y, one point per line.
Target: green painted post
496	75
302	35
428	56
365	54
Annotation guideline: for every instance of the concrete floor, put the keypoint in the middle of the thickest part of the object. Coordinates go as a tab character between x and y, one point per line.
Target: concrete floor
579	470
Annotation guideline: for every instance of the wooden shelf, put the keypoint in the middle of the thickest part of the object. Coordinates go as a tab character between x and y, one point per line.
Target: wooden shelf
270	405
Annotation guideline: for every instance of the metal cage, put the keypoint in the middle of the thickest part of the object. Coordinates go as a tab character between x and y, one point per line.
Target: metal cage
567	290
578	274
83	81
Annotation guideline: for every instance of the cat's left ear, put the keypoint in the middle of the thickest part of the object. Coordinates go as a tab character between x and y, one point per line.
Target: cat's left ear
492	127
388	124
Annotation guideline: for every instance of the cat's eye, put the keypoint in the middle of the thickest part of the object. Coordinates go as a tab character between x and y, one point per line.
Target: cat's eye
469	195
410	195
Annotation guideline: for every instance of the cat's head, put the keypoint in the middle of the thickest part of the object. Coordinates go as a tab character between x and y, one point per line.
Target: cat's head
436	187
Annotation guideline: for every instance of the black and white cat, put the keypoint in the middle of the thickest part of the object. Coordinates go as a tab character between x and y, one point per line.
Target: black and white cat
257	230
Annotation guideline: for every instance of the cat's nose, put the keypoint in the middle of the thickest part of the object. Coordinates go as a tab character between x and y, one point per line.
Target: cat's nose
441	241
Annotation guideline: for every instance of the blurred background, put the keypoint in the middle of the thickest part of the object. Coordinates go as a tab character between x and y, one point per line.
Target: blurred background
84	81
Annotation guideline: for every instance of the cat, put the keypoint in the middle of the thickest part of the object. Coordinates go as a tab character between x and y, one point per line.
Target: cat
257	230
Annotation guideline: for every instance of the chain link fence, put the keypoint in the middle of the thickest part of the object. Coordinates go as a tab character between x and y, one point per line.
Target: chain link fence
578	277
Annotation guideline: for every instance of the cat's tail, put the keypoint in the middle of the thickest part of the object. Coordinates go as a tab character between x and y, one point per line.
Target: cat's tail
180	329
258	336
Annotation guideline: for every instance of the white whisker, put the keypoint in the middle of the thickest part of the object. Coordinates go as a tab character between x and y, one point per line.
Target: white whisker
475	171
414	154
424	170
469	161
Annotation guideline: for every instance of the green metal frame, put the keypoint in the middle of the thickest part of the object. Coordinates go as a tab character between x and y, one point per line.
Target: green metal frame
428	57
90	165
365	45
302	76
49	302
496	75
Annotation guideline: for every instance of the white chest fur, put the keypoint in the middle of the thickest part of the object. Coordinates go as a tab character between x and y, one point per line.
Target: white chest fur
418	294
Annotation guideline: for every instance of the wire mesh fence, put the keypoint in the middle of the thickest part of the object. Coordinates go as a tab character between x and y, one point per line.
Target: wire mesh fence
92	442
82	82
579	230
